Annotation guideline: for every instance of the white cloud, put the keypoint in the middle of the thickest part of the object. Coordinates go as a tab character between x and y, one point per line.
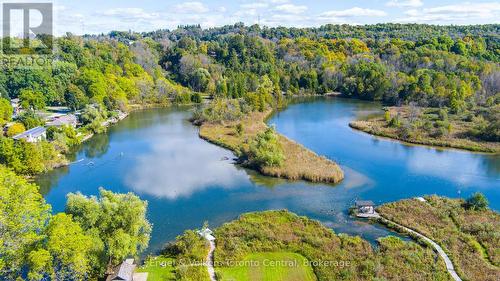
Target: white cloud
242	14
405	3
130	14
291	8
469	9
458	13
354	12
257	5
191	7
221	9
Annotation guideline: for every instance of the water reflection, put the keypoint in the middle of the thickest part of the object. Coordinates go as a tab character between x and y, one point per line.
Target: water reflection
180	165
462	168
97	146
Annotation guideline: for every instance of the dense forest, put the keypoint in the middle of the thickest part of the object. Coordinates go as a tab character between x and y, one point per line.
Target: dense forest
451	67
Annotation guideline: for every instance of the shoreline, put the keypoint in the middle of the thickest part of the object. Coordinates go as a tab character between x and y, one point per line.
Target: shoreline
107	124
300	163
366	126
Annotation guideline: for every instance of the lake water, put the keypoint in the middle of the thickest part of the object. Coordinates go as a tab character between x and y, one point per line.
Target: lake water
157	154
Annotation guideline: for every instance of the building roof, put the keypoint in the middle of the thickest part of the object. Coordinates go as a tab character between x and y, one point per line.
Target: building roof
124	271
207	234
364	203
34	133
68	119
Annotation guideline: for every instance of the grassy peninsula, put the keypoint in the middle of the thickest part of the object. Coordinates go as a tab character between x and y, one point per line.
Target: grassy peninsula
298	163
434	127
279	245
469	235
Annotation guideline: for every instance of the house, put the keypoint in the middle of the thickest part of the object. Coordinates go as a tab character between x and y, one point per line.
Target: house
365	207
125	272
63	120
32	135
207	234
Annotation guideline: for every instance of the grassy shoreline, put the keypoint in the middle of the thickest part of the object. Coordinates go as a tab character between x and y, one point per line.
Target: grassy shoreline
300	163
378	126
470	238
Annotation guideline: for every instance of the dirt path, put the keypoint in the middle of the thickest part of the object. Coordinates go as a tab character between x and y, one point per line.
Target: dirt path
210	261
444	256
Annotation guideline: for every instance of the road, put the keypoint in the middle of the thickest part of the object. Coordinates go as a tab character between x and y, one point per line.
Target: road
210	261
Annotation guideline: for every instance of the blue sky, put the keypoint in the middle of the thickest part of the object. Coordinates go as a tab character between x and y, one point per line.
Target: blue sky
96	16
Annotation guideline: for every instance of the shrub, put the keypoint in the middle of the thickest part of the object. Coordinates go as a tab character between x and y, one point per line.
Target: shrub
15	129
395	122
387	116
477	202
443	114
239	129
196	98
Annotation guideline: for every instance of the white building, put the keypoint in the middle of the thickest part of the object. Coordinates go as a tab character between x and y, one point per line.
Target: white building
207	234
365	207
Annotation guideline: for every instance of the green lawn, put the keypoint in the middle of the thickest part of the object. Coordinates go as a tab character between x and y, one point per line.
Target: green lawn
276	266
159	269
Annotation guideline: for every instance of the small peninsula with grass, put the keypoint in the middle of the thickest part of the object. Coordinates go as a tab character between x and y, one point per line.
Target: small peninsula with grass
260	147
437	127
467	231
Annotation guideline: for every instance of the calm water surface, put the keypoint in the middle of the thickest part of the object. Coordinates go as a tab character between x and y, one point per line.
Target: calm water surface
158	155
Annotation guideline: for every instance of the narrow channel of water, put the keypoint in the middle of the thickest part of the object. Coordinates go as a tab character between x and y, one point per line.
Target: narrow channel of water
157	154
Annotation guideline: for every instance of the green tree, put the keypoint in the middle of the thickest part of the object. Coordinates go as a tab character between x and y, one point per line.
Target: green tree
117	221
68	246
200	79
75	98
23	216
32	100
5	111
93	116
40	264
266	150
30	119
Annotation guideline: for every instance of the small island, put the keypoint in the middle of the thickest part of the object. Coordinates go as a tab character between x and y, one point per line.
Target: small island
261	148
433	127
